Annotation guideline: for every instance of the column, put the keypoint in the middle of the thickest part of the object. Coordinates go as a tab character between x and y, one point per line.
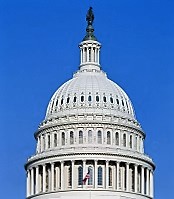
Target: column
151	183
41	143
135	183
147	181
72	167
46	141
84	55
37	180
127	177
84	168
107	176
38	144
95	55
32	181
57	177
98	58
28	183
87	54
52	140
118	168
44	178
96	173
52	176
62	175
81	55
142	179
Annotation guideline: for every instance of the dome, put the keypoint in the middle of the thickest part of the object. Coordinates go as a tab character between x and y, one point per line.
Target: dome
90	143
90	92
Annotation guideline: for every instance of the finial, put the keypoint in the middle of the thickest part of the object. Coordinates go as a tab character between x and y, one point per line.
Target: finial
89	29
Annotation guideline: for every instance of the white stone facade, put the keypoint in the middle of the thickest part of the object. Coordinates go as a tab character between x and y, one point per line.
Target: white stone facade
90	128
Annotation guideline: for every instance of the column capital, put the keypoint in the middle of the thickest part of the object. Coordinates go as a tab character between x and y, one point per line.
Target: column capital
127	163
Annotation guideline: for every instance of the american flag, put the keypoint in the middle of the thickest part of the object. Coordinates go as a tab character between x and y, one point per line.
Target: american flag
86	177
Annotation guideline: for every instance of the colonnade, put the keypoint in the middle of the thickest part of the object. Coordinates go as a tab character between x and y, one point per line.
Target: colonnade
113	138
64	175
89	54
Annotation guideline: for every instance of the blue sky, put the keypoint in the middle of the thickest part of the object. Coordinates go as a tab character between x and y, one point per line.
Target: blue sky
39	51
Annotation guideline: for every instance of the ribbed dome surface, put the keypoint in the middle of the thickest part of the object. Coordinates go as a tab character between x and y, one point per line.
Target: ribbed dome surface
90	92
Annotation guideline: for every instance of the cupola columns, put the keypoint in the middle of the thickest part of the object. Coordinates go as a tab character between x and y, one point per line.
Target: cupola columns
90	47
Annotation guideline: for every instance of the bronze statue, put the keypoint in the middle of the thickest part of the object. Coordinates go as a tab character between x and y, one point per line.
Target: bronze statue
90	16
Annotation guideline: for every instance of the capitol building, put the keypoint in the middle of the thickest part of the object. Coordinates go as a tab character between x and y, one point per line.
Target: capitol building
90	144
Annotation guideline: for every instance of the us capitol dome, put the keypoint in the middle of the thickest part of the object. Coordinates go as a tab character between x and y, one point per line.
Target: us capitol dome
90	144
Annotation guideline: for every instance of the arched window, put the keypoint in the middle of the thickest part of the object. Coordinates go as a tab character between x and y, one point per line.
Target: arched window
57	102
100	176
117	138
108	137
130	141
75	99
80	137
61	101
111	100
89	98
90	171
49	141
70	176
110	176
104	98
122	102
82	98
68	100
55	140
89	136
99	136
97	98
136	144
63	138
124	140
117	101
71	137
80	175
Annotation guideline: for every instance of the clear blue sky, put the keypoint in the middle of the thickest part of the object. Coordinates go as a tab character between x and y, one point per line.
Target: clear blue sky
39	51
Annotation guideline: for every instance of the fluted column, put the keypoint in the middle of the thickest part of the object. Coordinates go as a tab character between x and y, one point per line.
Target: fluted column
87	54
46	141
37	180
28	183
142	179
72	167
81	55
44	178
57	178
136	175
84	168
41	143
52	140
127	177
32	181
151	183
147	181
96	173
118	168
62	175
98	55
52	176
107	169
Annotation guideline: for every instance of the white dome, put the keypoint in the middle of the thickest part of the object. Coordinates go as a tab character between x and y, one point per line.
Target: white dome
90	92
